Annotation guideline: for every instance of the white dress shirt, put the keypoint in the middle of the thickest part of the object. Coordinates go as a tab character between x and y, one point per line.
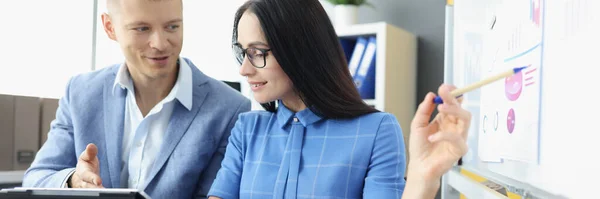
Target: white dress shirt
143	136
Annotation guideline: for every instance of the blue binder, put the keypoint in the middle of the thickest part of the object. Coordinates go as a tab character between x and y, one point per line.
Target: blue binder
365	75
348	47
359	48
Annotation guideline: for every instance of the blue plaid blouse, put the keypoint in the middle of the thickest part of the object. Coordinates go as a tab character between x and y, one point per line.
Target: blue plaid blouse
301	155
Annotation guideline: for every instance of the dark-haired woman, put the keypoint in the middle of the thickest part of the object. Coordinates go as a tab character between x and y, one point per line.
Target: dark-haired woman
317	138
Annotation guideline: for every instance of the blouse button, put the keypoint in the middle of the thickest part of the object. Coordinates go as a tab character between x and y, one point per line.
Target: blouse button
295	119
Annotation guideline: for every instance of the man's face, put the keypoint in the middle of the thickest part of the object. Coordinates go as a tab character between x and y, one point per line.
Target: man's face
150	34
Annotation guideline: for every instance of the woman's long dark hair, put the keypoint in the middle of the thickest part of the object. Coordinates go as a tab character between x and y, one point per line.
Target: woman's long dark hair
305	44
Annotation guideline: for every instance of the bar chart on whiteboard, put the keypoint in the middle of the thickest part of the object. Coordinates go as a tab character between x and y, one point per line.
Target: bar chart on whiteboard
509	117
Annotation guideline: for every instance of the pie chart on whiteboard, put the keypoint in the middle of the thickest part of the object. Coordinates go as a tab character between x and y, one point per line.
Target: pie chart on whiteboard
513	86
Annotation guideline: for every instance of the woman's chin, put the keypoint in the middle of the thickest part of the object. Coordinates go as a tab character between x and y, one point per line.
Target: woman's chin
262	100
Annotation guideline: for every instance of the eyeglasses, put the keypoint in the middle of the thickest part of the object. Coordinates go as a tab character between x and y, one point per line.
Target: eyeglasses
257	56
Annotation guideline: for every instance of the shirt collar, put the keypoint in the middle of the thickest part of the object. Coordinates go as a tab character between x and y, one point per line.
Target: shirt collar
305	117
123	79
182	90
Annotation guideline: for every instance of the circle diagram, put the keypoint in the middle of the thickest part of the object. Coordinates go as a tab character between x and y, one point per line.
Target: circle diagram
484	123
513	86
510	121
496	121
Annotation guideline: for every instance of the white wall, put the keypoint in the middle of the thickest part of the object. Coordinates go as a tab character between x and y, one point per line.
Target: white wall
43	44
46	44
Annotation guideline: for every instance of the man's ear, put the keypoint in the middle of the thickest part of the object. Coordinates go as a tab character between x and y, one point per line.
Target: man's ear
108	26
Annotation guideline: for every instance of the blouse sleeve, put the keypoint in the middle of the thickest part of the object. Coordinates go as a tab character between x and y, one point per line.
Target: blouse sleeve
385	175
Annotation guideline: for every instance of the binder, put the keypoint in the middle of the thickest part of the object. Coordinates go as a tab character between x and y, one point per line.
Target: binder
27	131
7	121
365	76
49	107
357	54
348	47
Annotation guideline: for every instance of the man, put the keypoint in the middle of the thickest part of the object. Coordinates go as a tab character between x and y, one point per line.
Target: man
154	123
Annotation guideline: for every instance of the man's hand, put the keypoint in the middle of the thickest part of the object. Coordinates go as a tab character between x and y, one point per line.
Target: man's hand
87	172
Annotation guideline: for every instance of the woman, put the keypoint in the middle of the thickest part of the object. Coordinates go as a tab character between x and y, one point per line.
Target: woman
317	138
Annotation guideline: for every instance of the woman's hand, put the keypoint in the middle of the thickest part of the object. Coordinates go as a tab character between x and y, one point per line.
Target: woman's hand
434	147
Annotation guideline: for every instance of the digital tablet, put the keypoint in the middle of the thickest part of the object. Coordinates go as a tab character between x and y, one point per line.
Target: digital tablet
66	193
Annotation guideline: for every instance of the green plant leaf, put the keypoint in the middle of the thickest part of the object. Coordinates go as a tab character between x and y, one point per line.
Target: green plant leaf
338	2
351	2
369	4
358	2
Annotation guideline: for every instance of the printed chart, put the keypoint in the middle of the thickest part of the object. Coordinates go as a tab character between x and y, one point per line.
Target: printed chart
509	117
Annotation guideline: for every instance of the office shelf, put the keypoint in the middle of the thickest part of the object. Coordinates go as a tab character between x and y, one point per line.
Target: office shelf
395	69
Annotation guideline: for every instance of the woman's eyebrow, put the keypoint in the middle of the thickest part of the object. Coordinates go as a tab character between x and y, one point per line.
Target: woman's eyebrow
252	44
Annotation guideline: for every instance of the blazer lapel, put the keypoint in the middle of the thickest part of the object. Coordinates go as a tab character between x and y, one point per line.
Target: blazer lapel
178	126
114	110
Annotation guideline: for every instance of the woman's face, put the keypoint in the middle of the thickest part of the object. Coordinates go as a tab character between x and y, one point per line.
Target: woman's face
266	78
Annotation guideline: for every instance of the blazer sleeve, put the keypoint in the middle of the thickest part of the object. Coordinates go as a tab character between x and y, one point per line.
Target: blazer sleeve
209	175
227	183
385	175
56	159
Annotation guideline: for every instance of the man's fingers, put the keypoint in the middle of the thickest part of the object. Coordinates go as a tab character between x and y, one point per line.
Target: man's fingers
424	111
88	185
87	174
90	152
90	177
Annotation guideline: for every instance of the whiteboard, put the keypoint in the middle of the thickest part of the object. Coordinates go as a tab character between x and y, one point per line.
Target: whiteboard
566	144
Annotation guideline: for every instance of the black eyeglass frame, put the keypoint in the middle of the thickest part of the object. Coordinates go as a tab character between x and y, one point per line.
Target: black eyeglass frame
240	53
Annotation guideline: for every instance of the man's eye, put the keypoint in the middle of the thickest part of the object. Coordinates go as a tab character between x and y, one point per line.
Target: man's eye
142	29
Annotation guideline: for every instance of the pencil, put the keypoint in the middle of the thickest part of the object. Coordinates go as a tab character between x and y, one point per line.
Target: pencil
459	92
